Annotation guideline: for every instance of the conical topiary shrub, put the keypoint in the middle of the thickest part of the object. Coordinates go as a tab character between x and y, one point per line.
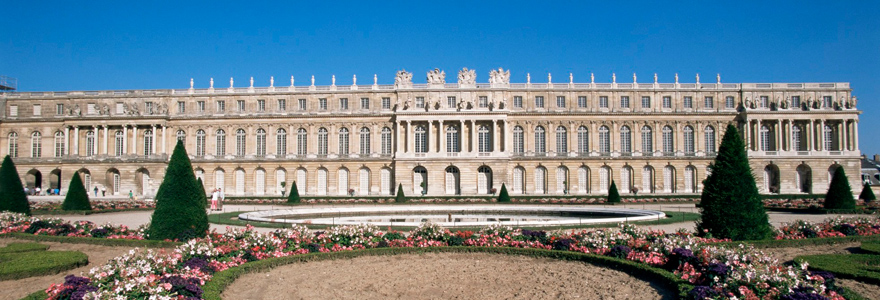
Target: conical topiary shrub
202	188
730	205
839	194
294	194
400	197
77	197
12	196
613	195
180	204
503	196
867	194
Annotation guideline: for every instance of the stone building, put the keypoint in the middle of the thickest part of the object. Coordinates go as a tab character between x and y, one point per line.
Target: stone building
438	138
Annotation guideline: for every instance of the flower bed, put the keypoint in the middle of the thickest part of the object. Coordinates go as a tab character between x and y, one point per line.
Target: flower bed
716	271
19	223
436	200
97	205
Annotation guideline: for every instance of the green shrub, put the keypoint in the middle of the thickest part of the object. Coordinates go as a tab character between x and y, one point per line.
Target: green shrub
867	194
91	240
871	246
613	195
12	196
503	196
202	188
180	205
730	204
28	260
839	194
400	197
861	267
77	197
294	194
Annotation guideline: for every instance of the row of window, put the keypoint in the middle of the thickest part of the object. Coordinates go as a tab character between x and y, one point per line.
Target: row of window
687	102
583	139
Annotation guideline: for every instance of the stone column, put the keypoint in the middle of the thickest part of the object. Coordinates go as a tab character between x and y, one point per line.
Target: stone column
134	137
473	133
124	139
153	144
791	136
106	136
76	140
409	142
442	144
397	130
759	140
462	137
855	135
747	130
811	136
66	141
97	141
507	133
429	138
778	134
165	140
821	143
844	136
494	135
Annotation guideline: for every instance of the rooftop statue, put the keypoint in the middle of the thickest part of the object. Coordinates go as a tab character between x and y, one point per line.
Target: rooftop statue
466	76
499	76
403	78
436	76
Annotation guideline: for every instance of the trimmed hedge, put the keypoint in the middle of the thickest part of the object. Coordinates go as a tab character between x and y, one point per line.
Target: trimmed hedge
12	196
41	295
23	263
77	197
91	240
180	204
861	267
23	247
872	247
213	288
802	242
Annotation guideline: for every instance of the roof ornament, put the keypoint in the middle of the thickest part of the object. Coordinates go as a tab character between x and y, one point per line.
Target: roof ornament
291	80
212	82
190	83
231	81
655	77
271	81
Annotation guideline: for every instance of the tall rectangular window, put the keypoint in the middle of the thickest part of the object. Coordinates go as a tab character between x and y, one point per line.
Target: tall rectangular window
765	102
343	103
302	104
221	106
582	101
624	101
90	108
688	102
667	102
603	101
261	105
646	102
796	102
709	102
386	103
450	102
13	110
148	105
517	101
38	110
420	102
539	101
282	104
484	101
201	106
728	102
181	107
365	103
827	101
322	103
59	109
240	105
560	101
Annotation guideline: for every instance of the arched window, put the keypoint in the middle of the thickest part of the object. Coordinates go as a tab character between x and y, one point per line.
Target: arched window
583	180
583	140
804	178
519	176
385	181
647	140
365	141
200	142
421	139
280	176
281	142
688	139
119	137
765	138
710	139
13	144
342	181
668	140
239	182
36	144
669	179
59	144
518	143
301	177
90	142
484	139
240	142
647	179
302	142
625	139
562	183
690	179
604	140
261	142
540	180
343	142
540	140
364	181
386	141
453	181
828	138
484	180
260	182
220	179
561	140
452	139
181	136
321	181
626	176
322	141
604	179
221	142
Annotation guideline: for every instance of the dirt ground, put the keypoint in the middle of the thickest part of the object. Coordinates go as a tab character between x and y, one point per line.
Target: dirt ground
444	276
98	255
869	291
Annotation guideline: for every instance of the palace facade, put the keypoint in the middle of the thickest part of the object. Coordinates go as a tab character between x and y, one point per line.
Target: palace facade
436	138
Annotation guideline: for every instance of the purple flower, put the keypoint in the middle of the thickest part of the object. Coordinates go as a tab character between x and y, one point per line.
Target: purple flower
701	292
718	269
619	251
562	244
198	263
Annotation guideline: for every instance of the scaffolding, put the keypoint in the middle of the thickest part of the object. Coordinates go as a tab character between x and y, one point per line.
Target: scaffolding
8	84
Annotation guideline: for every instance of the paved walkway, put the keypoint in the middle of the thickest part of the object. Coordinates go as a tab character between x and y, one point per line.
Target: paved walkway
133	219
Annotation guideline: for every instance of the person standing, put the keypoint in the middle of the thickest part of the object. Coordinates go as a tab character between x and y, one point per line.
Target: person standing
96	191
104	192
130	195
222	198
215	196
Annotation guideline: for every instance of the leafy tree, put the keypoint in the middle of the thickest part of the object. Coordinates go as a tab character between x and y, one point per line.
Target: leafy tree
839	194
12	196
180	204
730	205
503	196
400	197
867	194
77	197
294	194
613	195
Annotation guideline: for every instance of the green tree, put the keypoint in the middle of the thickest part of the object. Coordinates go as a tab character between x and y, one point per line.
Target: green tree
613	195
294	194
730	205
77	197
180	204
12	196
400	197
503	196
202	186
839	194
867	194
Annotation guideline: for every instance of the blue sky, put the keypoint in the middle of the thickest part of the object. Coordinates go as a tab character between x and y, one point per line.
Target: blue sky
97	45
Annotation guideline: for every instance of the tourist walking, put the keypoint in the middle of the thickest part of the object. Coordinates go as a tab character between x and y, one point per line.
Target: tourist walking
104	192
130	195
215	197
222	198
96	191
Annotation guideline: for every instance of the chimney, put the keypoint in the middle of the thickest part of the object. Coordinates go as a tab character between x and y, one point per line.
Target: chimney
876	157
